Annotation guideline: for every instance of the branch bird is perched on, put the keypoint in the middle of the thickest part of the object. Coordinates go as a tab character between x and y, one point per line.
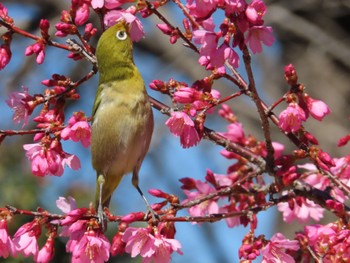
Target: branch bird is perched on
122	119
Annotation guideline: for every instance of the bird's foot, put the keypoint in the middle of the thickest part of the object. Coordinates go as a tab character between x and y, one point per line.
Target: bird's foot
102	218
149	210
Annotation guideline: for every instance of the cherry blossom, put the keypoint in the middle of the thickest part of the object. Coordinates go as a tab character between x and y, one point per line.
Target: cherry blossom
140	241
201	189
49	159
93	246
78	129
25	240
255	12
291	118
258	35
180	124
6	245
300	209
275	250
22	104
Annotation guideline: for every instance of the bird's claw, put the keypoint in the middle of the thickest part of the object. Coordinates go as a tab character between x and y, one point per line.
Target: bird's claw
154	215
102	218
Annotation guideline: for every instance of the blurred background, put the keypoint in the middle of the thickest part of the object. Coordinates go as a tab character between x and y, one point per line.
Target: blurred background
311	34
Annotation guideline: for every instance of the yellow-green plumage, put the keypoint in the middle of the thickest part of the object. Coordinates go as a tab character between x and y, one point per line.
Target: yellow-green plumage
122	119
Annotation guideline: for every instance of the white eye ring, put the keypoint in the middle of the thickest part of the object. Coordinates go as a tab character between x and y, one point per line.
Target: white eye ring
121	35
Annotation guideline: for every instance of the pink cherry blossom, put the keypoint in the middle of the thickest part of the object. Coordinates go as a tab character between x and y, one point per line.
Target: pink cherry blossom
25	240
136	28
205	208
109	4
290	119
234	220
255	12
329	242
317	108
6	245
5	56
341	170
202	9
235	132
316	233
157	248
275	250
258	35
234	6
180	124
97	3
82	14
49	161
78	129
22	104
211	55
93	246
73	214
300	209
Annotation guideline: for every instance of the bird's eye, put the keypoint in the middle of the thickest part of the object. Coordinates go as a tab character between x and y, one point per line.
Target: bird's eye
121	35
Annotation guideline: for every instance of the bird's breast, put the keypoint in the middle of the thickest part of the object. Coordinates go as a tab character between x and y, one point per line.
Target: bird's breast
121	131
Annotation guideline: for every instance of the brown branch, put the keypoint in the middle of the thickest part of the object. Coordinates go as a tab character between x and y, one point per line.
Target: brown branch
263	117
22	132
34	37
219	139
162	18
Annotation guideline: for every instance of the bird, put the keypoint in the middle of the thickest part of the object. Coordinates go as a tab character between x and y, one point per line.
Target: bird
122	117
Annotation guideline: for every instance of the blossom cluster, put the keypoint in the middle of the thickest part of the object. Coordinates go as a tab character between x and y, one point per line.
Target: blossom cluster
86	243
243	26
300	106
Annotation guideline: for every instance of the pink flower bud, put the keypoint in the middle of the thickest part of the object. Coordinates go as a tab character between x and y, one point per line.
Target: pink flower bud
166	29
317	108
118	246
5	56
132	217
188	183
158	193
159	85
82	14
344	140
46	252
310	138
290	75
44	27
65	16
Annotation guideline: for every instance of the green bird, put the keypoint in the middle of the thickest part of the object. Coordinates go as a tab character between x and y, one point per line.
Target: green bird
122	118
